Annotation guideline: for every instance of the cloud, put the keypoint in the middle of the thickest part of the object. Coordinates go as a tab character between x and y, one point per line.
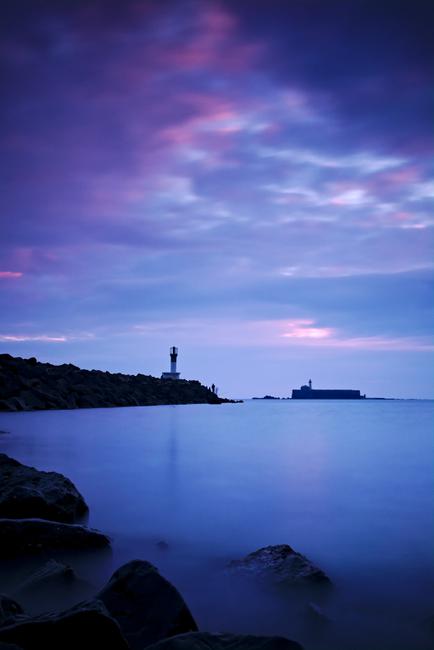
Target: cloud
403	344
306	329
364	162
297	333
10	275
218	159
45	338
423	191
20	338
369	66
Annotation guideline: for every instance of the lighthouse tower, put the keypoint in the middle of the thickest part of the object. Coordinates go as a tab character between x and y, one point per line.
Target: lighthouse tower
173	357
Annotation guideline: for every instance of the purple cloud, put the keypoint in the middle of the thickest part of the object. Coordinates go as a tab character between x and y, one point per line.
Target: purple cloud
203	162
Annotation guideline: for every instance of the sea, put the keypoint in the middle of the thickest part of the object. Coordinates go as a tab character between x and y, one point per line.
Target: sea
349	484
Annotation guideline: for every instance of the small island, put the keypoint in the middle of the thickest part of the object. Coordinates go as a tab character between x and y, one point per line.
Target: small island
266	397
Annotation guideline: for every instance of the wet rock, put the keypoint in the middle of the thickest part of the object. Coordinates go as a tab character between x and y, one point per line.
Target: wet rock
11	404
30	401
28	536
147	607
207	641
316	614
54	585
429	624
51	574
87	625
28	492
162	545
9	610
279	565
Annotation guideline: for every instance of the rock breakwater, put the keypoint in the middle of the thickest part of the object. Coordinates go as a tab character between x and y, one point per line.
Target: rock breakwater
29	385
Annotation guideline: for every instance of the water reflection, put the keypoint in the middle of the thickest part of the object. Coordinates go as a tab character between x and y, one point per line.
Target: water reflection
172	456
348	485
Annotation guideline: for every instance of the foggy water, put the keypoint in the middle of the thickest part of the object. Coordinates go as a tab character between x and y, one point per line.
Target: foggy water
349	484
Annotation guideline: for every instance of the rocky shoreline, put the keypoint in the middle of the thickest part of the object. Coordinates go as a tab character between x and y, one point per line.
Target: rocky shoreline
137	608
28	385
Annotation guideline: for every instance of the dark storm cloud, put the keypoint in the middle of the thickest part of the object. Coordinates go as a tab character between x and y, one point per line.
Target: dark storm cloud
369	60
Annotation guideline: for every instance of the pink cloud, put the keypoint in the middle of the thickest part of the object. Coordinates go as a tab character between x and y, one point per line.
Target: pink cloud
238	332
214	44
405	176
31	259
303	329
217	21
46	338
401	216
302	332
307	333
18	338
209	114
10	275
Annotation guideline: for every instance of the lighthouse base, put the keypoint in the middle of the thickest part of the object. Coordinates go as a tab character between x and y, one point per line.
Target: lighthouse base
170	375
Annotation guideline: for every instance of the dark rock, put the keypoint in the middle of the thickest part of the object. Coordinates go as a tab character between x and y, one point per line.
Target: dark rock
87	625
28	492
30	401
147	607
49	575
266	397
316	614
26	384
10	404
55	585
9	610
162	545
207	641
22	536
429	623
280	565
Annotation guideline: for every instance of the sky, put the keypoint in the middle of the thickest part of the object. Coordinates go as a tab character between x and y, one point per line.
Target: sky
250	181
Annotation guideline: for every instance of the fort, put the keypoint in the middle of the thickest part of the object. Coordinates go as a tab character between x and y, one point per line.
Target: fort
307	392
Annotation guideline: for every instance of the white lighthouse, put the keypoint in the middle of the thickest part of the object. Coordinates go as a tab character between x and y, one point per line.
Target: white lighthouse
173	357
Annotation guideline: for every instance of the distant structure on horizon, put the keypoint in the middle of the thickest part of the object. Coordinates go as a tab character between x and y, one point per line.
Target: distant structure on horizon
173	357
307	392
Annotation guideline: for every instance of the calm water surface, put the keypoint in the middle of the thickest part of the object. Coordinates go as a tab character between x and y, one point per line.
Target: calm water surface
349	484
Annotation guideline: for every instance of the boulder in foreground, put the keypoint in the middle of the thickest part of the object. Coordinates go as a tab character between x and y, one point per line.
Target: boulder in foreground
28	492
9	610
280	565
207	641
54	585
146	605
28	536
87	625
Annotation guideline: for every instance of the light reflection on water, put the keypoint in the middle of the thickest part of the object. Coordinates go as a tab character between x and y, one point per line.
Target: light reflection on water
349	484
